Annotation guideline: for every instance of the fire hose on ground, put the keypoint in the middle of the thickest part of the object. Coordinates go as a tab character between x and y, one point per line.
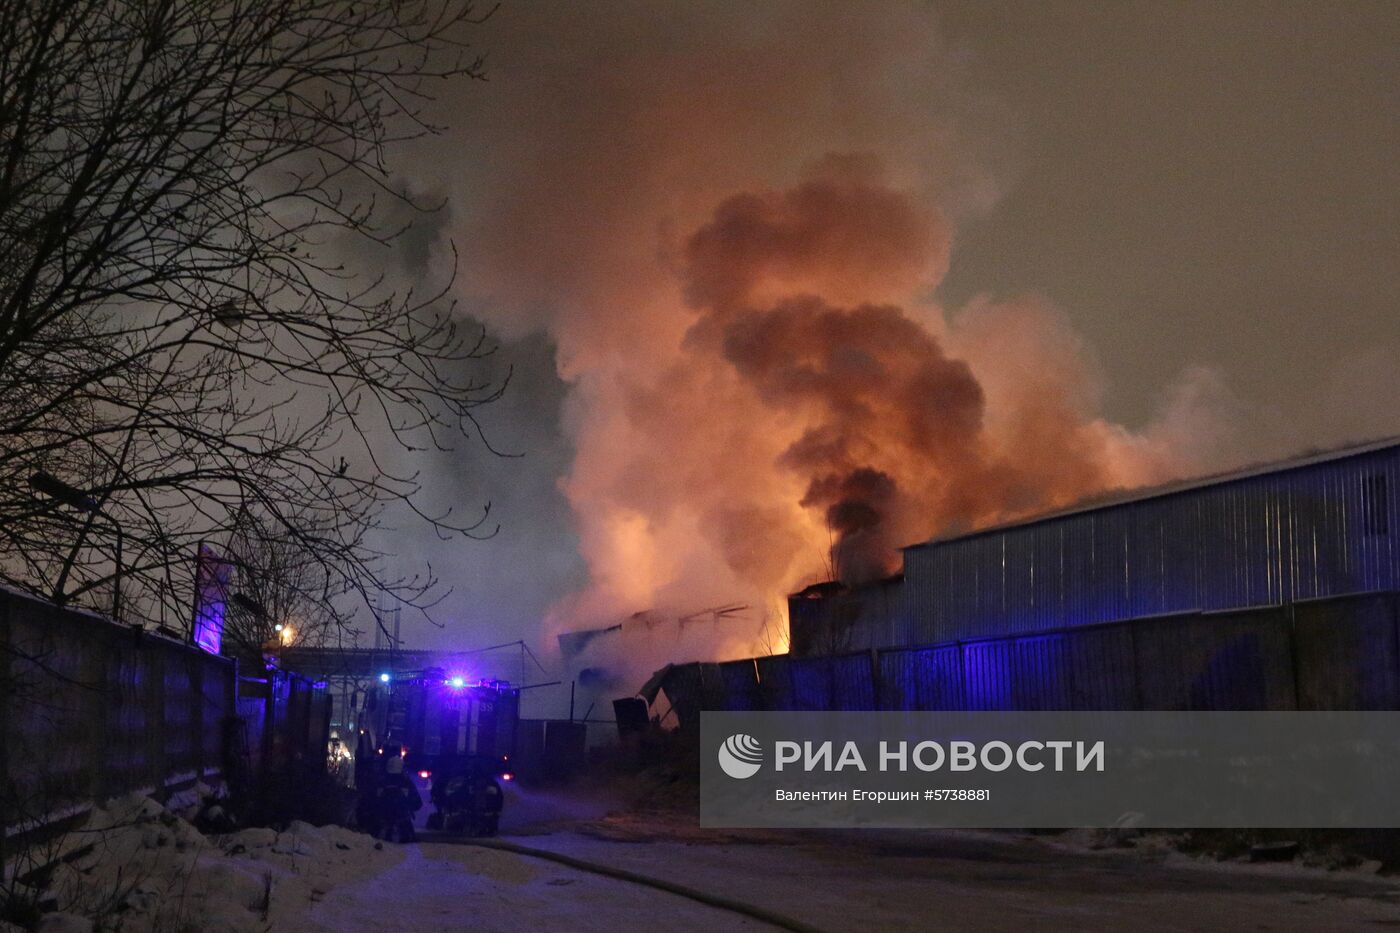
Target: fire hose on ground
719	901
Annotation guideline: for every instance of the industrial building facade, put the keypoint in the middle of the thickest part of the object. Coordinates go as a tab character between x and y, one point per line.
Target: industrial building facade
1317	527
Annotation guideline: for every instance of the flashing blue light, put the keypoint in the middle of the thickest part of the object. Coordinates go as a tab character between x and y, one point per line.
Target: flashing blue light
383	678
459	681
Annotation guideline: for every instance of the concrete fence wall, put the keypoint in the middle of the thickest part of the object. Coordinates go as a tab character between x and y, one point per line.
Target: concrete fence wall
90	709
1340	653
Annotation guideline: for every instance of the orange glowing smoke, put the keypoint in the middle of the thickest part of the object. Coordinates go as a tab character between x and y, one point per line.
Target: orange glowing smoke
885	431
807	422
761	383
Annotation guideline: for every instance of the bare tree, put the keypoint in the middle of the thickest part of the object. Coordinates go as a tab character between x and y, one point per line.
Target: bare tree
177	335
279	596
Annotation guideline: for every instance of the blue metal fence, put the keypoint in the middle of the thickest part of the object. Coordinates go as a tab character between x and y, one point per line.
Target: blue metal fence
1336	653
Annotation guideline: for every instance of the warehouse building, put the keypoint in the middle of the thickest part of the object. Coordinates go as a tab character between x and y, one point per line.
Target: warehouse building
1319	526
1273	588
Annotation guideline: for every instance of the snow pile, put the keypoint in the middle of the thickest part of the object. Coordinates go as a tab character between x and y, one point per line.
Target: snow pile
137	866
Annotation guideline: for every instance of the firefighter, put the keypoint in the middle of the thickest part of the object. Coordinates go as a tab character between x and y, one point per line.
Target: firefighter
398	800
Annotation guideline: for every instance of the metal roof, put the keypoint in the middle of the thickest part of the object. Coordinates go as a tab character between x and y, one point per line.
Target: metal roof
1127	496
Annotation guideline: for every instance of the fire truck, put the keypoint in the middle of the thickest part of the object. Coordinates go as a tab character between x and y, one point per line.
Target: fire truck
456	734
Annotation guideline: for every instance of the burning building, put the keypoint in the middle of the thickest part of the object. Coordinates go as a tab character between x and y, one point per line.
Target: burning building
1319	526
1273	588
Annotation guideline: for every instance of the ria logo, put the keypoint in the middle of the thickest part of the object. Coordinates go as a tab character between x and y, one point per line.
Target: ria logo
740	756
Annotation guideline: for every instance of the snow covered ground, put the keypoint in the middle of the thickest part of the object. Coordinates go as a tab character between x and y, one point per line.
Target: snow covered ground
438	886
147	869
972	881
136	866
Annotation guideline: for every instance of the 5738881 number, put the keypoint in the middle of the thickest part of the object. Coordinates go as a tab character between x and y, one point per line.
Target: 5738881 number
960	793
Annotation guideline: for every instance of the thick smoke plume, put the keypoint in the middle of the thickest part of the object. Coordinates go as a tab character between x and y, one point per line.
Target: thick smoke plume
885	431
735	247
809	424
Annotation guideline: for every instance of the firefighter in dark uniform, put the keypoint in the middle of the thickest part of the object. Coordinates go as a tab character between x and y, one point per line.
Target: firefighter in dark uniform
398	800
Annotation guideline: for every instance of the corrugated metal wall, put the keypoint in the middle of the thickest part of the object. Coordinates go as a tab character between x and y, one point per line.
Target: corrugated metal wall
1103	668
921	678
1239	661
832	620
740	679
282	717
811	683
1349	653
853	681
1306	532
1336	653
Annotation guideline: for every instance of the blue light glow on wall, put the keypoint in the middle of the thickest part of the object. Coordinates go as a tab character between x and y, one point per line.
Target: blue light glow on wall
212	576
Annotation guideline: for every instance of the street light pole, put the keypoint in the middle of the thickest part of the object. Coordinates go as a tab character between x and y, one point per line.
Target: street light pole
72	496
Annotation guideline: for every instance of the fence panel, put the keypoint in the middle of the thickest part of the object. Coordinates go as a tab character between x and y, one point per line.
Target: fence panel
1222	661
129	723
252	715
1040	672
1337	653
1348	656
898	680
775	689
712	687
811	683
1103	672
987	675
219	703
46	730
921	678
852	683
178	699
94	709
740	680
